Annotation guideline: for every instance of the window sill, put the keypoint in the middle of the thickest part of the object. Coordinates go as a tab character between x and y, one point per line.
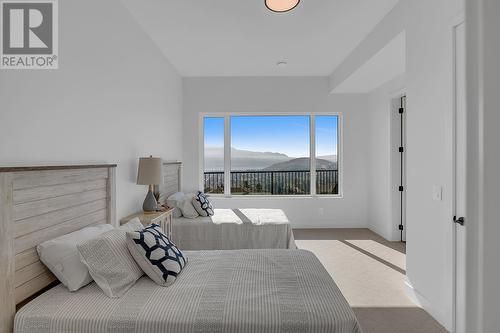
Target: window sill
293	197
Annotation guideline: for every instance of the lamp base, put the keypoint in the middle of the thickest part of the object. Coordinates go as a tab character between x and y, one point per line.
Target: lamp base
149	205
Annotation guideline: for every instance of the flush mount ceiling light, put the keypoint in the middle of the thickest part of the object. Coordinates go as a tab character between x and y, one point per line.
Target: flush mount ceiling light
281	63
280	6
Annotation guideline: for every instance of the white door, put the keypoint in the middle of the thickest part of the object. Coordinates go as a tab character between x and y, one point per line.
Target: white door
460	177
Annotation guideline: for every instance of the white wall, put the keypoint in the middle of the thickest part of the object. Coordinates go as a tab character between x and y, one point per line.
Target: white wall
382	214
483	229
429	89
113	99
285	95
430	156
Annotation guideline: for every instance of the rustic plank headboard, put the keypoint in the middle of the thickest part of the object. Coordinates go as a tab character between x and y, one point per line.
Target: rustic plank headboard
38	204
172	172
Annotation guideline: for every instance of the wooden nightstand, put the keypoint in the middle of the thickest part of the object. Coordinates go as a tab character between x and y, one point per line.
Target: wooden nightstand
163	219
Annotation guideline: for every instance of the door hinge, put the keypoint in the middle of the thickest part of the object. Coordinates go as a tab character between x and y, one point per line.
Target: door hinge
401	188
401	227
401	149
401	110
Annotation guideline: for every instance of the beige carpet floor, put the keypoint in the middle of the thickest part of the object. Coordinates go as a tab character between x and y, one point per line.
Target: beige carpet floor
370	272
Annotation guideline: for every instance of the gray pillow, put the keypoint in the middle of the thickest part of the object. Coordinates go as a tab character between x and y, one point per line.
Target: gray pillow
110	263
158	257
187	207
175	201
202	205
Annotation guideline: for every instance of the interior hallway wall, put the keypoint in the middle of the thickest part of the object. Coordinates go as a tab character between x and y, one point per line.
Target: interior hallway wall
429	134
483	163
428	84
381	213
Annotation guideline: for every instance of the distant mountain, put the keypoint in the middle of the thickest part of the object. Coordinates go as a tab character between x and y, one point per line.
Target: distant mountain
331	158
242	160
302	164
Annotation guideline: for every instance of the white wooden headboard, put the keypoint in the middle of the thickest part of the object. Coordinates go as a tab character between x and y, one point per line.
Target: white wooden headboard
172	173
38	204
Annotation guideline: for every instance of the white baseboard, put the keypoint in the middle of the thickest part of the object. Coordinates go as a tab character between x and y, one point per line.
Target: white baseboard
422	302
388	237
412	294
327	225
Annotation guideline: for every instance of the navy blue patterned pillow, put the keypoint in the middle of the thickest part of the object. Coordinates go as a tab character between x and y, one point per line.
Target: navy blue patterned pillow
202	204
158	257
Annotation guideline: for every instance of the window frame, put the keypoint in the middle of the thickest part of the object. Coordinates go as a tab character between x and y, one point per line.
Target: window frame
312	153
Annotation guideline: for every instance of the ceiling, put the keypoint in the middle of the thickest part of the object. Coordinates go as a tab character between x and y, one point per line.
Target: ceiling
243	38
385	65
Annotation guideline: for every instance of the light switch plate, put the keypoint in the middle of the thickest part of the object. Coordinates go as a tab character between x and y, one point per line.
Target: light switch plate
437	193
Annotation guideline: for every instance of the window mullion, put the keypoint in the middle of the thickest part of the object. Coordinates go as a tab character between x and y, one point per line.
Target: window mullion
312	153
227	155
201	154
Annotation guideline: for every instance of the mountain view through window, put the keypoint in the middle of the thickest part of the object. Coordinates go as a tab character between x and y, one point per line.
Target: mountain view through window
270	155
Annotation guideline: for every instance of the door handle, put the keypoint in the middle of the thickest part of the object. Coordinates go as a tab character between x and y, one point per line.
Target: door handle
459	220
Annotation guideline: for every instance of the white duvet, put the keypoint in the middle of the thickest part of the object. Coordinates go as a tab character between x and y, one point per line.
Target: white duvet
247	291
232	229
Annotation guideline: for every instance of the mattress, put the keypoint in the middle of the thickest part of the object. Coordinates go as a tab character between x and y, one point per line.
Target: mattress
256	291
233	229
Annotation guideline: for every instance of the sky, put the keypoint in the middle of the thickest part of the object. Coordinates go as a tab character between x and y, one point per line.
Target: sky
280	134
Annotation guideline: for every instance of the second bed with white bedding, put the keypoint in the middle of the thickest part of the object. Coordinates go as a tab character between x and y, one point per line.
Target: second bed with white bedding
258	291
231	229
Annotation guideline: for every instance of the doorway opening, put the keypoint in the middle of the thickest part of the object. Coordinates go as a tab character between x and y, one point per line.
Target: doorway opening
398	167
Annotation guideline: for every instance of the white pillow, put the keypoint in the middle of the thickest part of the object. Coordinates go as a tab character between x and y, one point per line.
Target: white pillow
187	207
175	201
158	257
132	225
61	256
110	263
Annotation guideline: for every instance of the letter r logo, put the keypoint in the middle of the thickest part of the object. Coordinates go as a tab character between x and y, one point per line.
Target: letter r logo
27	28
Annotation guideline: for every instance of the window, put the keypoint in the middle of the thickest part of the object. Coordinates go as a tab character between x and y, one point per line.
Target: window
327	174
213	129
270	154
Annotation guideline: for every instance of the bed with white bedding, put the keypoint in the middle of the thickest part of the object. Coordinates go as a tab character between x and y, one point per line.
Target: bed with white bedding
267	290
256	291
231	229
227	229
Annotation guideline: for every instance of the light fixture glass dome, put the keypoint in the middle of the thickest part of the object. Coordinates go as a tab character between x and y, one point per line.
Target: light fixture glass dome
281	6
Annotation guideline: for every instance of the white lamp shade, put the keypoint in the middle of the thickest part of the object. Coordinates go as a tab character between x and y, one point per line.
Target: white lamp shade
149	172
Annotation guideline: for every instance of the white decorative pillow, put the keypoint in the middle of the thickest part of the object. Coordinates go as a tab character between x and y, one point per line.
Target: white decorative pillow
61	256
202	205
158	257
175	201
187	207
110	263
132	225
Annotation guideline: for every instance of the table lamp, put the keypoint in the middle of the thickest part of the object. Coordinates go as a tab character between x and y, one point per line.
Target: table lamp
149	173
